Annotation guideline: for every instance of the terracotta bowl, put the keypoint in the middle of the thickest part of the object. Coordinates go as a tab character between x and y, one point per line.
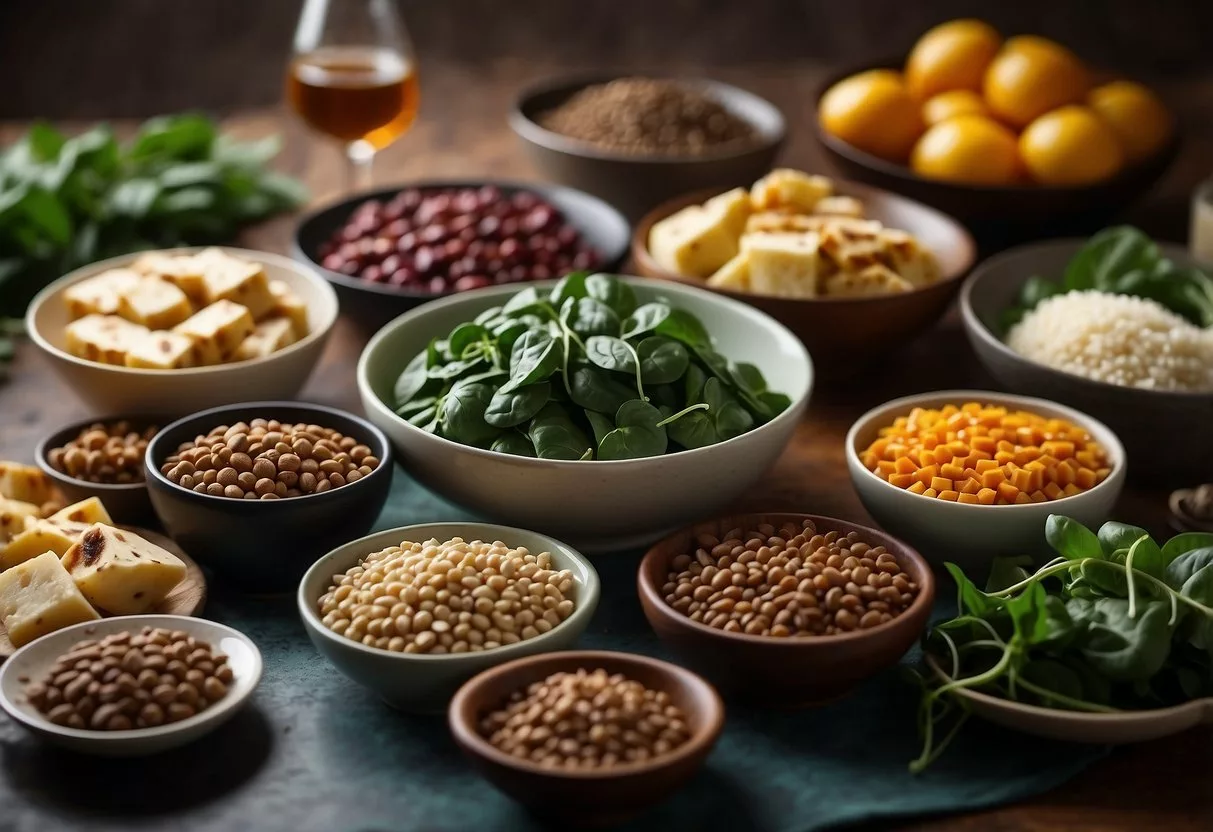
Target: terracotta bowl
786	672
842	333
587	798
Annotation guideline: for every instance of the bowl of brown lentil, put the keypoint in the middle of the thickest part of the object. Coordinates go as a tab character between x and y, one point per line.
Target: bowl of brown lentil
258	491
102	458
637	142
414	612
587	737
786	609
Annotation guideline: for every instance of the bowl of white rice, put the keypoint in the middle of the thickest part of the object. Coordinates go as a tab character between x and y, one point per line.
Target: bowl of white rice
1131	363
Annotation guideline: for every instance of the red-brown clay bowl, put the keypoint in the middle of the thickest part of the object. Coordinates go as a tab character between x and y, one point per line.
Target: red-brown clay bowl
587	798
783	672
843	333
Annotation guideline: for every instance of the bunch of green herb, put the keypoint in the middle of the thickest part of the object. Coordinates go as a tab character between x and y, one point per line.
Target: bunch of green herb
65	202
1124	261
1115	622
582	371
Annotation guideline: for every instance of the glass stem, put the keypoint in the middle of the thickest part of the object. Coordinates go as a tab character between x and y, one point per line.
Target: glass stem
359	156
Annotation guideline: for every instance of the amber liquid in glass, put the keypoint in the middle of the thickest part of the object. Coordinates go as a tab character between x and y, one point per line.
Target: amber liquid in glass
355	93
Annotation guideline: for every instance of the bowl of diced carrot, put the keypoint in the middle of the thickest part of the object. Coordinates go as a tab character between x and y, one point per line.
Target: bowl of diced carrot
969	475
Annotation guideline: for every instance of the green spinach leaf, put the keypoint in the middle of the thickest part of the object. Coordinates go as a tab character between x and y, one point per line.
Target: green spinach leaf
556	436
510	408
662	360
636	434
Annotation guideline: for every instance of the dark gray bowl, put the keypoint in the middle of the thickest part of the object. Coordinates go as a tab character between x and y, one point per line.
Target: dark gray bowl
267	545
127	503
1168	437
636	184
371	305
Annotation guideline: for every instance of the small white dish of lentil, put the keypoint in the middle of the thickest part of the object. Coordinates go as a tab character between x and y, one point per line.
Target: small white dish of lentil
413	612
214	668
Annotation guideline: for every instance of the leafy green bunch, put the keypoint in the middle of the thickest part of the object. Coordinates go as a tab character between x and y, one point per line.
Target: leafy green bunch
582	371
1124	261
65	202
1115	622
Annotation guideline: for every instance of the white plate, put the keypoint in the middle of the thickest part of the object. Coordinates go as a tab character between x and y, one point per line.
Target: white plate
33	660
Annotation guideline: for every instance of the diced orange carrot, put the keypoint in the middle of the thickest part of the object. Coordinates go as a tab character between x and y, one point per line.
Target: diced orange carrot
987	496
1006	447
971	486
991	479
1007	491
1022	479
940	483
905	465
952	472
985	443
1053	490
1084	478
884	467
949	495
984	465
917	487
1058	449
1038	496
926	473
902	480
1071	489
1022	497
968	498
1101	474
1086	459
1065	474
1003	457
930	492
972	474
930	441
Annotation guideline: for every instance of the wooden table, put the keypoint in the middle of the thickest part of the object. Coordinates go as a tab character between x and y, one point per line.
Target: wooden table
462	132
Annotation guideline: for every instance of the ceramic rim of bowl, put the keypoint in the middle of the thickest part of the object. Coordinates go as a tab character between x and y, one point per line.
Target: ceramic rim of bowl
50	293
718	91
974	324
152	466
701	739
926	588
223	706
756	316
589	591
902	406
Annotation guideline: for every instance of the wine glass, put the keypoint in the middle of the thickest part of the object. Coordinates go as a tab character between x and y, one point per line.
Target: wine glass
352	76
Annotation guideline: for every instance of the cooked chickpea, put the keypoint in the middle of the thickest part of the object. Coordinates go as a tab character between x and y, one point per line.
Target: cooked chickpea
104	453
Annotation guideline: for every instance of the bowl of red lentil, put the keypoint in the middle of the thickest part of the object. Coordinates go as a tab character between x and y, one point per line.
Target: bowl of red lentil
587	738
786	609
414	612
258	491
969	475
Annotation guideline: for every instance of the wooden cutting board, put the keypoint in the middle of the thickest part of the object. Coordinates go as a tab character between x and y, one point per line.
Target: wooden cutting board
187	598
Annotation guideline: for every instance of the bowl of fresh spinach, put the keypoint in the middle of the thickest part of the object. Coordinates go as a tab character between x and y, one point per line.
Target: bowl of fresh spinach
1109	642
606	410
1118	261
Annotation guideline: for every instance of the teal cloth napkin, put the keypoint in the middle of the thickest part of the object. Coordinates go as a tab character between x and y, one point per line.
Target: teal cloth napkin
357	765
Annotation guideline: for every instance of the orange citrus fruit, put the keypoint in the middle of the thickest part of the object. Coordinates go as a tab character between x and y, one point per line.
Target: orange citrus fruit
968	149
944	105
952	56
1140	120
1070	146
873	112
1031	76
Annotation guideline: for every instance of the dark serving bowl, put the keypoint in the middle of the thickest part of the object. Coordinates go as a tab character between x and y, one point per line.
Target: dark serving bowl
267	545
127	503
1168	436
373	304
583	797
635	183
786	672
999	215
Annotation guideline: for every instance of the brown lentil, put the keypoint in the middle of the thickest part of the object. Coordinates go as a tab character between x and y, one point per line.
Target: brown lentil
104	453
587	719
263	459
649	116
790	582
112	684
451	597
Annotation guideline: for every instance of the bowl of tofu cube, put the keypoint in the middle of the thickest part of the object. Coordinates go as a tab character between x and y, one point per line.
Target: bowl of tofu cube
854	271
181	330
61	566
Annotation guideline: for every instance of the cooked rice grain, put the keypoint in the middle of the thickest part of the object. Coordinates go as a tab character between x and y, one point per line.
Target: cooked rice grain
1117	339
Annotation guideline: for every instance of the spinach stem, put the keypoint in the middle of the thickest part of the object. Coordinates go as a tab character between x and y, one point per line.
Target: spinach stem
1130	582
1074	704
675	417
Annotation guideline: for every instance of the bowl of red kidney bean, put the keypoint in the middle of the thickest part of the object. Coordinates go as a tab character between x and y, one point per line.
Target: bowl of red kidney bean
391	250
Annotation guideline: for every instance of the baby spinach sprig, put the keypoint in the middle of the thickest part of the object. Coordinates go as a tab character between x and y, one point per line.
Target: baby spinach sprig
1115	622
582	371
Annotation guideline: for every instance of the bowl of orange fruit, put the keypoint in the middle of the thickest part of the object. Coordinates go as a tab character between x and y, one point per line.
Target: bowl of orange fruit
1008	135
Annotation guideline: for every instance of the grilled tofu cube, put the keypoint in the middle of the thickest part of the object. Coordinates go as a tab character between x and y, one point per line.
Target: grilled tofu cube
840	206
155	303
269	336
25	483
162	351
692	242
289	305
14	516
784	264
786	188
38	537
181	270
103	338
873	280
229	278
217	330
38	597
121	572
734	274
100	294
86	511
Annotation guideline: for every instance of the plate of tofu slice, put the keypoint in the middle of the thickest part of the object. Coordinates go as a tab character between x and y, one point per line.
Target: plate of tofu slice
63	565
184	329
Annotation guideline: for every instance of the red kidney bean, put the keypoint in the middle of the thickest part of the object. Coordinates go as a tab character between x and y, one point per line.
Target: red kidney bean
391	263
407	244
437	285
333	262
471	281
350	267
372	273
584	260
509	227
398	228
423	260
403	276
382	247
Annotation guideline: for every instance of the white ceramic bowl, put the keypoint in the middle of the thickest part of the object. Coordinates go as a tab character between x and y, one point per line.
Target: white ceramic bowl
971	535
420	682
34	659
596	505
110	389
